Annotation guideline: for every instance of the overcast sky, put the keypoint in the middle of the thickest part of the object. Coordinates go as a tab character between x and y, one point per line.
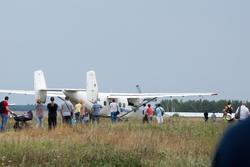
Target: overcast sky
163	45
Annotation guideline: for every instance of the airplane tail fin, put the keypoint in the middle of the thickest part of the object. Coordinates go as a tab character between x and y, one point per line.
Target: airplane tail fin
40	86
91	86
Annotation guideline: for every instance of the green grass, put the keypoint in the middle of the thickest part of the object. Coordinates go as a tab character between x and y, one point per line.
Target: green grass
179	142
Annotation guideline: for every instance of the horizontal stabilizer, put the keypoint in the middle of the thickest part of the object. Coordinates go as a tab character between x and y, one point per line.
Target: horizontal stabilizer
63	89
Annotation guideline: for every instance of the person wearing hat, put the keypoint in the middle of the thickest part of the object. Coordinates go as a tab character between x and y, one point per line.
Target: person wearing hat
52	113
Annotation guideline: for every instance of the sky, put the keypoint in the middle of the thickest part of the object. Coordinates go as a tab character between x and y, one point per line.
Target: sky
163	45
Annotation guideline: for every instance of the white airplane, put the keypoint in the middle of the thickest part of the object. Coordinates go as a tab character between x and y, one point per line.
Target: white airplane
128	102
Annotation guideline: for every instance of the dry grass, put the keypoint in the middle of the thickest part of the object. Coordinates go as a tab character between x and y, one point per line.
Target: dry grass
179	142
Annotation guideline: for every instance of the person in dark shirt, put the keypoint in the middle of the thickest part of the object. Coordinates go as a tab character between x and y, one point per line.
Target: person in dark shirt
52	115
228	109
205	116
234	147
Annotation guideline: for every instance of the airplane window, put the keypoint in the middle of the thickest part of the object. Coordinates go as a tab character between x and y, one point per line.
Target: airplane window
124	105
104	103
120	104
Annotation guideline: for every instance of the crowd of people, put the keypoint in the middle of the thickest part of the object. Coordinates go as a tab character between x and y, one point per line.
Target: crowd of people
234	140
149	112
77	114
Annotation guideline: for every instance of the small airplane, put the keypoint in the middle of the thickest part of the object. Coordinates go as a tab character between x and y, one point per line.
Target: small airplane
128	102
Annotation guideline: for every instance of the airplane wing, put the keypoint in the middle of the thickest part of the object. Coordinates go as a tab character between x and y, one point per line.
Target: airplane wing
22	92
60	92
148	97
50	92
158	95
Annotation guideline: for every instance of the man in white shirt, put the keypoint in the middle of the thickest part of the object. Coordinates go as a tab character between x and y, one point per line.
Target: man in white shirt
244	111
113	110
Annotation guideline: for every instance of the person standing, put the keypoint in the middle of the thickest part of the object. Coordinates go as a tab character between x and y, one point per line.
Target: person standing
39	114
113	111
228	109
150	113
78	108
96	110
159	114
205	116
52	115
243	111
84	115
4	113
67	110
145	116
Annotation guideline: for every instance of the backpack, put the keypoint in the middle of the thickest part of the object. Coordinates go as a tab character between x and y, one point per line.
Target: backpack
161	109
2	107
162	112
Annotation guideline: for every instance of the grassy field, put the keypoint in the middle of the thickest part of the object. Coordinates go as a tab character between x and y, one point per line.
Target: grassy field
179	142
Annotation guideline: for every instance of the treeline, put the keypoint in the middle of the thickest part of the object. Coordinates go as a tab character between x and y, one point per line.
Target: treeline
22	107
198	105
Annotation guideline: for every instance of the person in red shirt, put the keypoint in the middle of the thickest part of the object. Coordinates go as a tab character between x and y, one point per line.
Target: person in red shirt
150	113
5	114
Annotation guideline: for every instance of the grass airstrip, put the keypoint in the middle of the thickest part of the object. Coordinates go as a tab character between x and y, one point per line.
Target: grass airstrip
178	142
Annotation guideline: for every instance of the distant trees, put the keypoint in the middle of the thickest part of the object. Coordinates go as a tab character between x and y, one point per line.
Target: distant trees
171	106
22	107
198	105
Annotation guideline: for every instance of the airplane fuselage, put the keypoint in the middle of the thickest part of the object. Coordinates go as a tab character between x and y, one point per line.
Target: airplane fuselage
103	100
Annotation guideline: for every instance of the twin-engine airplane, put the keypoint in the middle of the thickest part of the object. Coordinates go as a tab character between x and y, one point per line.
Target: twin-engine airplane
128	102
